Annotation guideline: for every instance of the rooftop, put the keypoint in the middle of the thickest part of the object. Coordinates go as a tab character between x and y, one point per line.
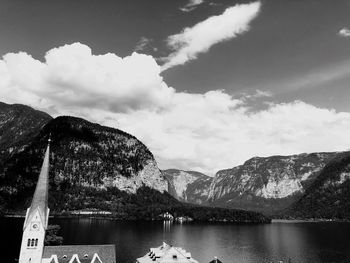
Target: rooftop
167	254
80	253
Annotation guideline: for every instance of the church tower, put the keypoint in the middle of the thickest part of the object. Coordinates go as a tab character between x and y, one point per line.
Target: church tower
37	216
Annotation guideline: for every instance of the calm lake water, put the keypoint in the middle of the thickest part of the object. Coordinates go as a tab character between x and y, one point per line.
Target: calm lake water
297	242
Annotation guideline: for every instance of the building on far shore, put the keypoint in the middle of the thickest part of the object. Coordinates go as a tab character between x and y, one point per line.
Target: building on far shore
90	212
182	219
166	216
36	223
167	254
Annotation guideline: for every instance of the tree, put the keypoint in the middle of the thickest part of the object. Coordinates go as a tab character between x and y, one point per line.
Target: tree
51	237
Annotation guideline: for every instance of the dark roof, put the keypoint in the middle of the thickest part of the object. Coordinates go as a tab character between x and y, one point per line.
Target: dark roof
85	253
39	201
216	261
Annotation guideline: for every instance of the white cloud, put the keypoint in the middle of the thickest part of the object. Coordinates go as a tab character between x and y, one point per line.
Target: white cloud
72	77
213	131
191	5
199	38
344	32
204	132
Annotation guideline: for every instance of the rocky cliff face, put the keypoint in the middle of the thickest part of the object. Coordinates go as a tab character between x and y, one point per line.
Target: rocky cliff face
188	186
149	176
266	184
19	124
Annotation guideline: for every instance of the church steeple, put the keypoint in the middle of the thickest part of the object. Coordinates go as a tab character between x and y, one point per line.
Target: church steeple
37	216
40	199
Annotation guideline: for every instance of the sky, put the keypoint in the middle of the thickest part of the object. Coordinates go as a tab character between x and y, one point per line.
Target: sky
204	84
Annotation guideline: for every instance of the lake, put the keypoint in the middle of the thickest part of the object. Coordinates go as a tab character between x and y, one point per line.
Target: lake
298	242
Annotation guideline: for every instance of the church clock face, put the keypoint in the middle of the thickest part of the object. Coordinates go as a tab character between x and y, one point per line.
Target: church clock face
35	226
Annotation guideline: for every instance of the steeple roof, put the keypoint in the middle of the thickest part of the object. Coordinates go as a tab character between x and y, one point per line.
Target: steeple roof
40	198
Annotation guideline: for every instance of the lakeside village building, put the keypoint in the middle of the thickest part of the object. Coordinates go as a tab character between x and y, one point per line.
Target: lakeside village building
36	223
167	254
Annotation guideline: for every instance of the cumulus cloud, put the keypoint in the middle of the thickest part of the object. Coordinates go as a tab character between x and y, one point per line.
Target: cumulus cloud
71	76
204	132
191	5
199	38
344	32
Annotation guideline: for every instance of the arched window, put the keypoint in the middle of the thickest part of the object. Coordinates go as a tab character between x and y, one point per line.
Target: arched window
36	242
32	243
28	243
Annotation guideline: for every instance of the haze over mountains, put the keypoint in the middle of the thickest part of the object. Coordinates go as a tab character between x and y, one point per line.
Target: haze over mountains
89	160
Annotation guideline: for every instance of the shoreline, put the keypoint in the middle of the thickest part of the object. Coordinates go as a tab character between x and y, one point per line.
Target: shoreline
108	217
315	220
273	221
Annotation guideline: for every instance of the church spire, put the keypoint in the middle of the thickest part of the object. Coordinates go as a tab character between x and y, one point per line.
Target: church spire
40	198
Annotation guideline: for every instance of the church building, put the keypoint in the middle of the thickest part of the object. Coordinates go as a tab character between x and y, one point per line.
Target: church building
36	223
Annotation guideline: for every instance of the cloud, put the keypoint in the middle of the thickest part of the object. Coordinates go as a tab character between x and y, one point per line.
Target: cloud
204	132
72	77
315	78
142	44
258	94
214	131
344	32
191	5
198	39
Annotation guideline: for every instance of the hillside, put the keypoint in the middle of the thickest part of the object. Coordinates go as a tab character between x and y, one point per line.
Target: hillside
329	195
85	154
266	184
188	186
19	124
97	167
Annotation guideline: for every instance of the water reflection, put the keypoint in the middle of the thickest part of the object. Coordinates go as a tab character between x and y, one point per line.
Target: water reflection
297	243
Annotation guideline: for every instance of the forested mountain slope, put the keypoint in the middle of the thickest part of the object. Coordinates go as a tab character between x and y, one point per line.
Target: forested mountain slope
19	124
329	195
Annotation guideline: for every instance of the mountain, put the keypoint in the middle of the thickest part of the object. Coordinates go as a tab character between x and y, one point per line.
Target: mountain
86	154
329	195
19	124
97	167
188	186
266	184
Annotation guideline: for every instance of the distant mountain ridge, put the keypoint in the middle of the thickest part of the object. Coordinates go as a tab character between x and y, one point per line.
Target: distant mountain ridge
267	184
99	167
188	186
